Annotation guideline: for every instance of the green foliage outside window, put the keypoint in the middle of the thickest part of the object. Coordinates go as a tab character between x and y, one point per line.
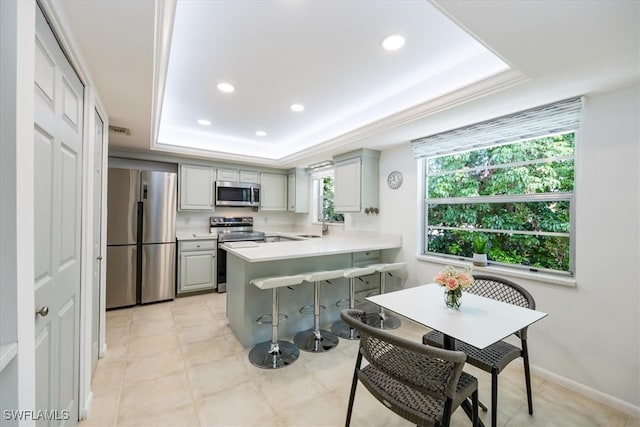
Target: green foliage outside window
328	213
518	195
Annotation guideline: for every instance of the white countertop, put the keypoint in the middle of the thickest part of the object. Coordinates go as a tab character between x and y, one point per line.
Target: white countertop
291	232
195	234
328	245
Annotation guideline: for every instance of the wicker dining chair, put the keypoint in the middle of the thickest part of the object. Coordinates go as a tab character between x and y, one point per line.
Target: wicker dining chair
496	357
422	384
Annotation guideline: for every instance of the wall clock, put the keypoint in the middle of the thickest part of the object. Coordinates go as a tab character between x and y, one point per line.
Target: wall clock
394	180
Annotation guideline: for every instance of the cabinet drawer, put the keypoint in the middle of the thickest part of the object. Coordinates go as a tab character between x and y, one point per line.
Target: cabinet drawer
198	245
368	256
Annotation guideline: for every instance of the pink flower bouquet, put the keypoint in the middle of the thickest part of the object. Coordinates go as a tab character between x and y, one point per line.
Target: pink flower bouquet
453	281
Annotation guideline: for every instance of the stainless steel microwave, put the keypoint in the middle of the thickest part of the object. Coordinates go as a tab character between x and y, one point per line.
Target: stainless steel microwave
237	194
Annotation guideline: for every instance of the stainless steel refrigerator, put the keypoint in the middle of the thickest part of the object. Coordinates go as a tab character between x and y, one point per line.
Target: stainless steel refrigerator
141	240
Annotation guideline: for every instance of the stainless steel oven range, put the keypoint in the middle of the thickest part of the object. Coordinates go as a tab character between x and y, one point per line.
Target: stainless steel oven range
231	229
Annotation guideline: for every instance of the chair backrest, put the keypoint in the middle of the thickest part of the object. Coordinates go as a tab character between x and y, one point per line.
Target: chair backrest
503	290
431	370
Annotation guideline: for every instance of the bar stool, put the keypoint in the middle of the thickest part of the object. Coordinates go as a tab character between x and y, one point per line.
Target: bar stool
381	319
275	353
316	340
340	328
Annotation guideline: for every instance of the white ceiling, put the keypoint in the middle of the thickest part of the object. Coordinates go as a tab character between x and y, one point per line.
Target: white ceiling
327	56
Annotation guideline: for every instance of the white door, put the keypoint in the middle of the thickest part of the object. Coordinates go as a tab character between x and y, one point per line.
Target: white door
97	241
58	111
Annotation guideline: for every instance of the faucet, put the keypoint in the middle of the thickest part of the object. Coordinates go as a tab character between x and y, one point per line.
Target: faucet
325	227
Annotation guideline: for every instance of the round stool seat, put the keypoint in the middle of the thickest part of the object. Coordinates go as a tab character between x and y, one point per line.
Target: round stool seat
394	266
319	276
358	271
277	281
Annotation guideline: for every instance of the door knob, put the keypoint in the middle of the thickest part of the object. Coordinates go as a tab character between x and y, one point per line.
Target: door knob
43	311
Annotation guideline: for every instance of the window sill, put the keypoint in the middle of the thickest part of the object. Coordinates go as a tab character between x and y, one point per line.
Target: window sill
537	277
330	224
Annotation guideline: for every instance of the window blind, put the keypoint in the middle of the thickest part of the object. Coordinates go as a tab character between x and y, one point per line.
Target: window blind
322	170
563	116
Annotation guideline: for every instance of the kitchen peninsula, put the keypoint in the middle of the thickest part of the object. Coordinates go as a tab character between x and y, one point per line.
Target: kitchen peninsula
247	261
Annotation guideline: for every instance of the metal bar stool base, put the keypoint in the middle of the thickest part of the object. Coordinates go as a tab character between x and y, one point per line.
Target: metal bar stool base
308	341
261	356
385	321
345	331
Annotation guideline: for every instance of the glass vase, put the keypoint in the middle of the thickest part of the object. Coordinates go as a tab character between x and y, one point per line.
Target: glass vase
452	299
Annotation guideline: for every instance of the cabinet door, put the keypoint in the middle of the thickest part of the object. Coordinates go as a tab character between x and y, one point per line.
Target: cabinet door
250	176
197	271
291	193
348	186
273	192
298	192
196	187
228	175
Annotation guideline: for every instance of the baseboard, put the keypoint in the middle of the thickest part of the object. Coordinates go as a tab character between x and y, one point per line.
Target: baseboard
103	351
84	412
596	395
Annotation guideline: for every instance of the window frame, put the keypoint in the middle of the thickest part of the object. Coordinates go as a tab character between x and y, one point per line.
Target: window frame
424	202
317	197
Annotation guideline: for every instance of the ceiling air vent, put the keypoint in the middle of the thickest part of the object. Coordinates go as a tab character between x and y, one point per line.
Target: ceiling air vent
119	130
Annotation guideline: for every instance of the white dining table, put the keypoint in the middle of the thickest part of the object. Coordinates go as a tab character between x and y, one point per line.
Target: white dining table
479	321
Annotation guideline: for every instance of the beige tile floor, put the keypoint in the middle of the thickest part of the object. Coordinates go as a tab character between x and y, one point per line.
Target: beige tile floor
178	364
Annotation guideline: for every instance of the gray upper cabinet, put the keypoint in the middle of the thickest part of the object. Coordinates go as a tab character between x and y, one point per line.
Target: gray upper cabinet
235	175
227	175
196	188
356	180
298	191
250	176
273	192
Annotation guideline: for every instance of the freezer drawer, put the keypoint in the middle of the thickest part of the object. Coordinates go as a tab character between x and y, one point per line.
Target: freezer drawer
158	272
121	276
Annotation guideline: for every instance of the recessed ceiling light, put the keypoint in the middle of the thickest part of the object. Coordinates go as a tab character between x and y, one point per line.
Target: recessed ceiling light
261	133
226	87
204	122
393	42
297	107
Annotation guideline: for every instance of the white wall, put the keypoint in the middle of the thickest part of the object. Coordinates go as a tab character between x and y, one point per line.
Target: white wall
590	340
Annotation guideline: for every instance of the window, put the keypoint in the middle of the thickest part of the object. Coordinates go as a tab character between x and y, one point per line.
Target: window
324	201
322	187
518	195
509	180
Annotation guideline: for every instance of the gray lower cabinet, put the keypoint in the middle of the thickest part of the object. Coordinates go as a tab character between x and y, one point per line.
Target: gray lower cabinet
366	286
197	265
